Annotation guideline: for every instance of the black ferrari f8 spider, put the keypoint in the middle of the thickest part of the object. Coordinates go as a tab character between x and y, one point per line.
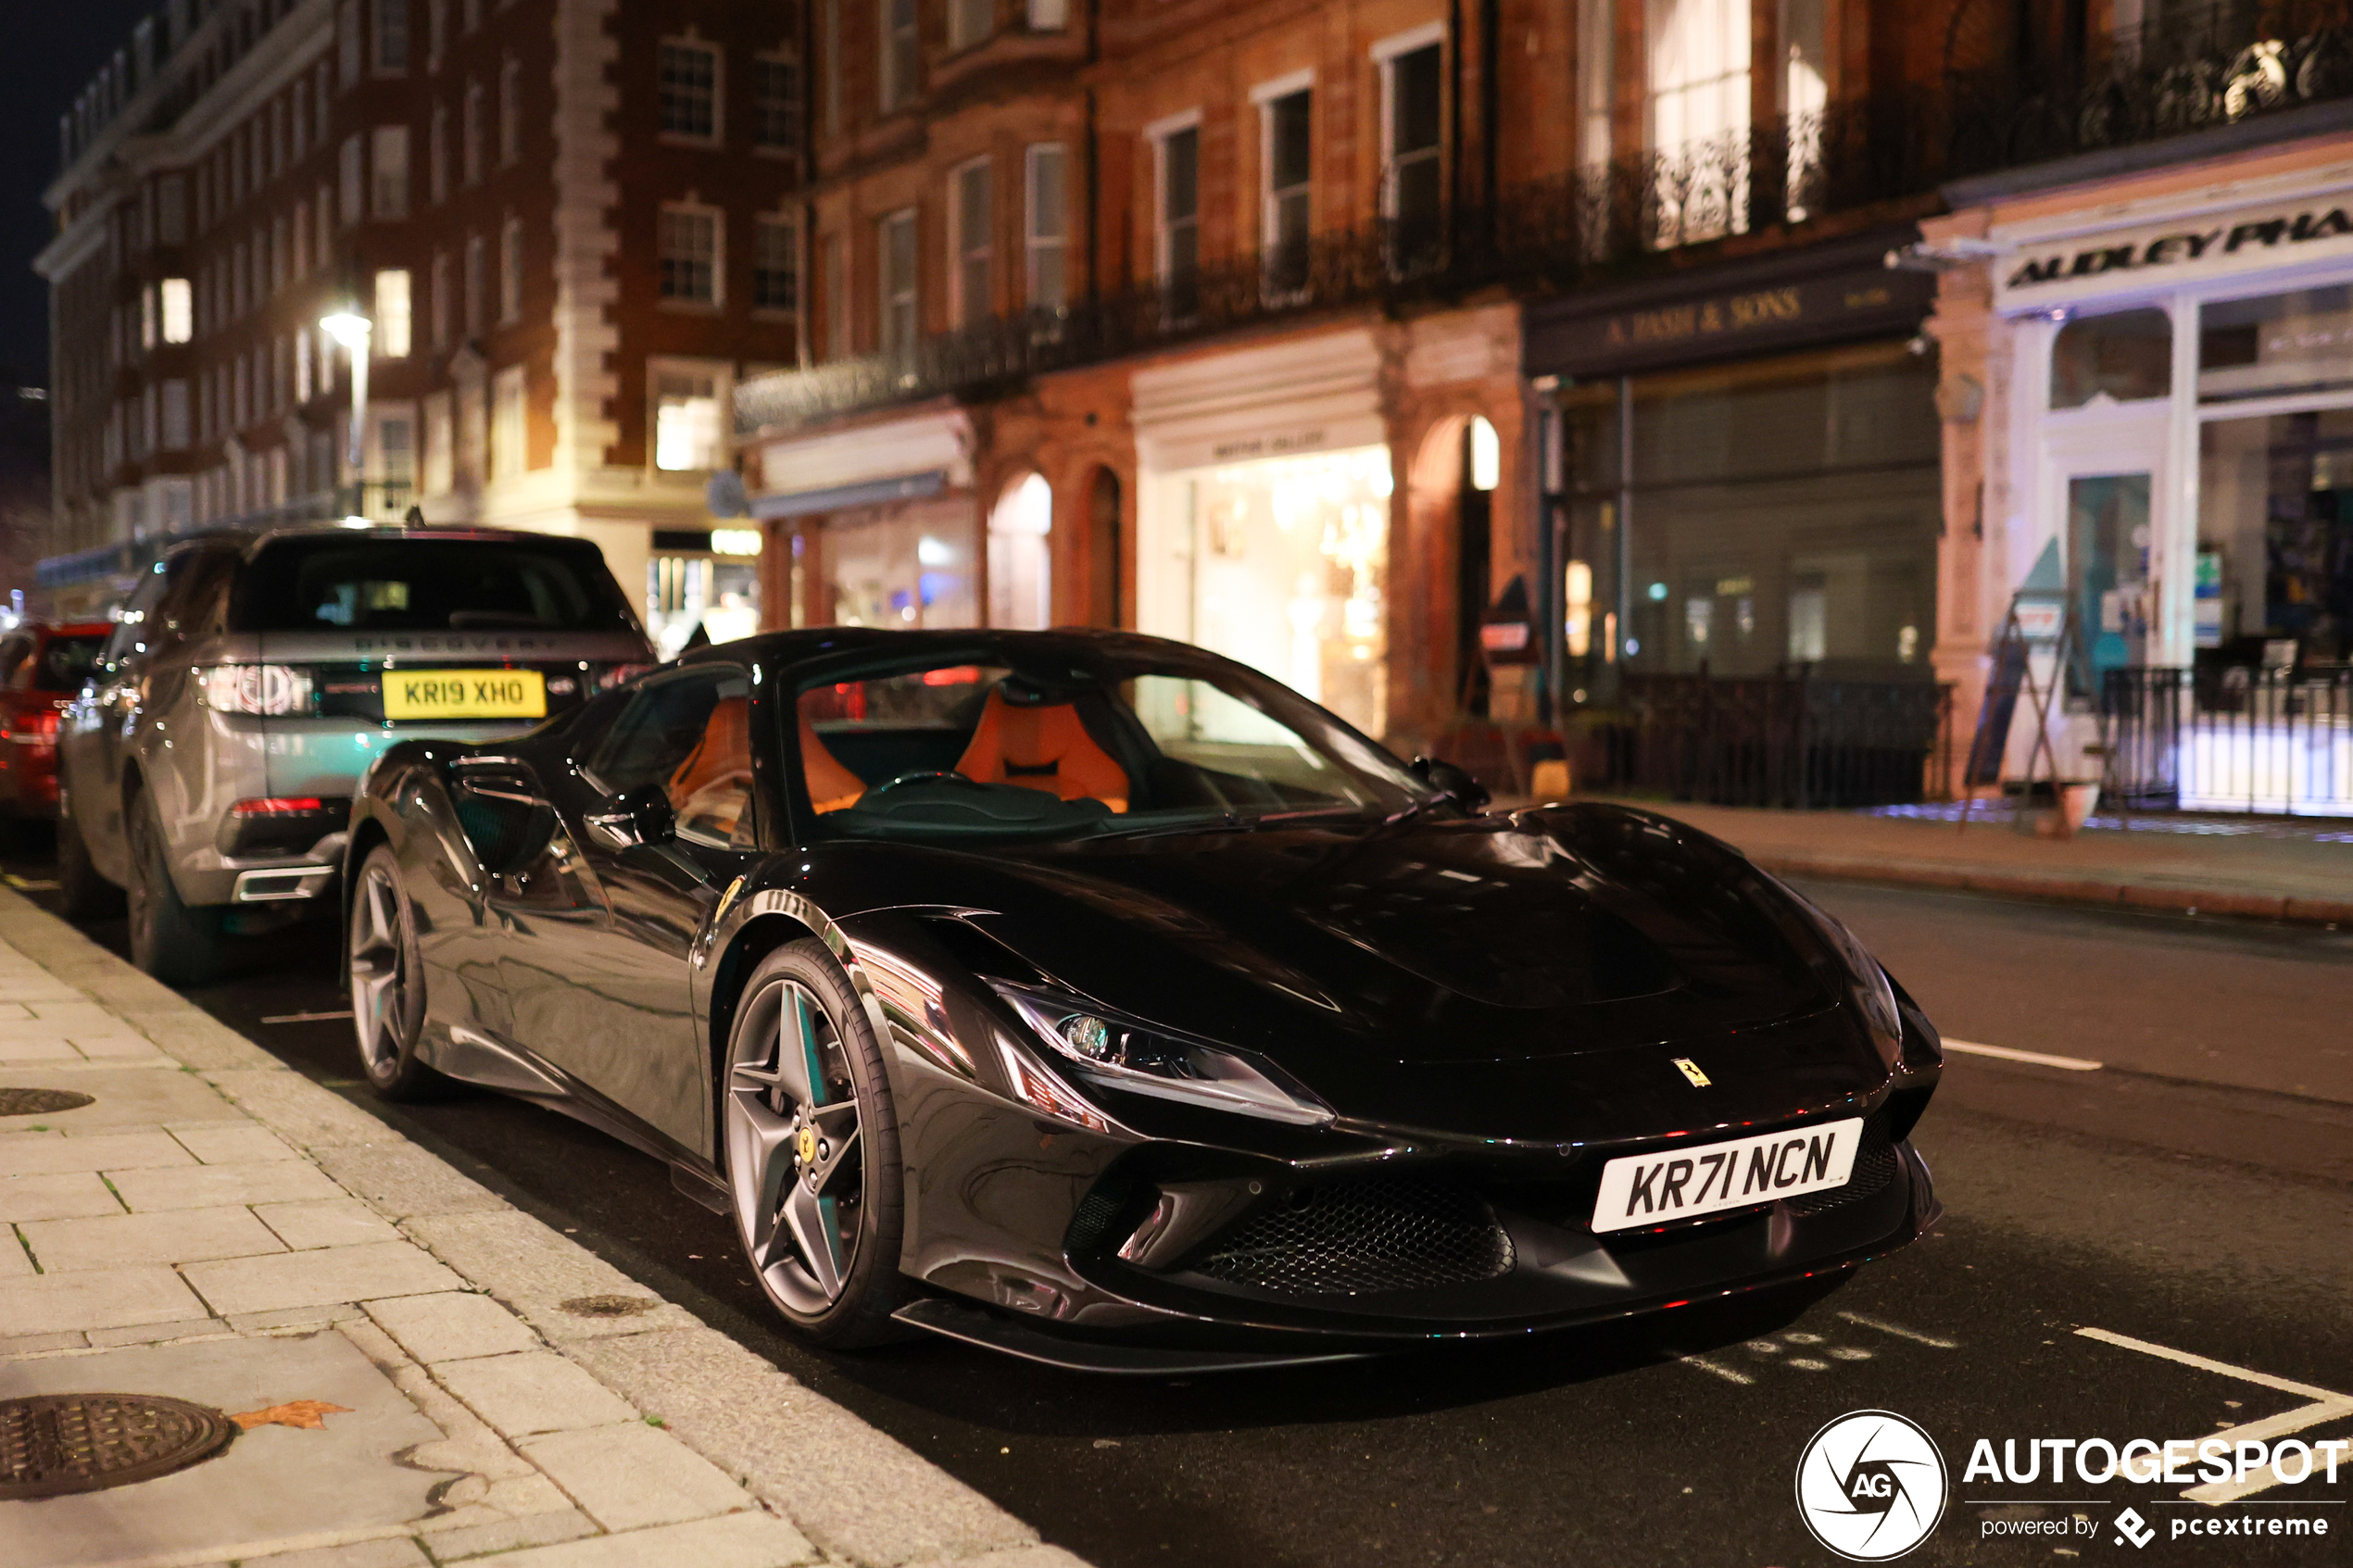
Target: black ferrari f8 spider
1095	999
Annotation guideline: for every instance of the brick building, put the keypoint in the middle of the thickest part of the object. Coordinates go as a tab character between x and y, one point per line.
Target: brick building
1351	310
573	223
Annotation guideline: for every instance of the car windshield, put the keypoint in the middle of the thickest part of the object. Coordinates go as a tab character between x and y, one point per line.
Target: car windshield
422	584
64	663
1054	737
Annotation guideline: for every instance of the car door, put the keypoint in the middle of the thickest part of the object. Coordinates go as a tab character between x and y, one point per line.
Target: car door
99	731
660	815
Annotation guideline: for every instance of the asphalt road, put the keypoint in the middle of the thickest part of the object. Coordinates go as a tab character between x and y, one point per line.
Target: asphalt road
2193	1196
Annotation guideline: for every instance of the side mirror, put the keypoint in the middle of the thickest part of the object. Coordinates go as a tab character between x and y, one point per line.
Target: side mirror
1451	782
637	816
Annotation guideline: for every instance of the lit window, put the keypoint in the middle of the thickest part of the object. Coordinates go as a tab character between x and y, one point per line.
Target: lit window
687	434
510	430
689	255
689	78
1048	16
775	270
178	308
391	333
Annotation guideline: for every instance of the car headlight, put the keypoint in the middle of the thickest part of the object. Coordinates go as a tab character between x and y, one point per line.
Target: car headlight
1140	1059
1866	981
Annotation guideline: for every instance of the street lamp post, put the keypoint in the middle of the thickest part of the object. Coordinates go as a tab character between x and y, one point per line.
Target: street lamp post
353	330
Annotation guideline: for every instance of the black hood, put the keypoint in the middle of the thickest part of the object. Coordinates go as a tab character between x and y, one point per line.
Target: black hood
1441	952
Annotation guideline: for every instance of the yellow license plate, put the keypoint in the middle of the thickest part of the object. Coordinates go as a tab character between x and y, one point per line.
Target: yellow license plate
465	693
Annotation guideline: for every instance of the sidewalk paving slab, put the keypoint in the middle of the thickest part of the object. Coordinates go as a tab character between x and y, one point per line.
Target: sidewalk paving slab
232	1213
2274	871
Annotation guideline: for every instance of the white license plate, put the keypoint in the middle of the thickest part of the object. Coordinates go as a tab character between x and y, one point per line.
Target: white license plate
1681	1184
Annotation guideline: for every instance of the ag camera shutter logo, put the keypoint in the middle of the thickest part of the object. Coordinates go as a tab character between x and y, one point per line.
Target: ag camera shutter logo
1871	1486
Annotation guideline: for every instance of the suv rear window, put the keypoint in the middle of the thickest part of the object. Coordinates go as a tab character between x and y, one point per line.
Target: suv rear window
317	584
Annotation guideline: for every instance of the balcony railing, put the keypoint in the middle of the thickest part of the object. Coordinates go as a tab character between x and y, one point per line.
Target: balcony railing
2237	62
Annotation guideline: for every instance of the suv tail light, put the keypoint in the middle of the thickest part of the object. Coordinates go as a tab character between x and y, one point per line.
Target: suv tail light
34	728
278	824
267	689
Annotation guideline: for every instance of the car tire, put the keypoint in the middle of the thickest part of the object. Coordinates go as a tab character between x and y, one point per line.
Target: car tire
387	981
82	894
175	942
788	1155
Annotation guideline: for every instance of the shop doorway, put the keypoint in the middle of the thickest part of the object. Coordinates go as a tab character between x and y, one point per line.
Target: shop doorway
1021	566
702	585
1480	464
1106	550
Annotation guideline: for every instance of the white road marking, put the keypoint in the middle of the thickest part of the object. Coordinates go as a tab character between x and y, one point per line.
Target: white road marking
2071	1063
1901	1332
306	1017
1726	1374
2327	1405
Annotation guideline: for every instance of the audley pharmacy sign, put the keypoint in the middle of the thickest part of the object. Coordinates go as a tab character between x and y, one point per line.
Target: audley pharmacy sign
2181	251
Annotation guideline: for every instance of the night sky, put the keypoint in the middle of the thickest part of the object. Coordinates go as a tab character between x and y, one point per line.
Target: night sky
48	48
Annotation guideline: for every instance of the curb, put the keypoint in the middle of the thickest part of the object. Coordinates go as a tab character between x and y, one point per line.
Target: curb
857	1494
2331	913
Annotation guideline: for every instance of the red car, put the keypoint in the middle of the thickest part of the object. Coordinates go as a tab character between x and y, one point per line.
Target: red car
42	669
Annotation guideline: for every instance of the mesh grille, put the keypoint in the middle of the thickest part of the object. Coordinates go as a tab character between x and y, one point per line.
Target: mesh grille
1383	1233
1875	1166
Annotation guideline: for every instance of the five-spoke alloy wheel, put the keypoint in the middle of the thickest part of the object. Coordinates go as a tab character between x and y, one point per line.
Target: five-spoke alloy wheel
813	1152
388	980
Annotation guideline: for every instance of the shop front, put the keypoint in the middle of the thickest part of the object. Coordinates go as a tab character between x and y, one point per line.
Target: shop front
2169	359
1748	471
1265	484
876	526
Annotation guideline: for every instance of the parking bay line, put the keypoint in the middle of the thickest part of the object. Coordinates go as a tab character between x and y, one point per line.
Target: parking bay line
307	1017
2036	1059
1900	1332
2327	1405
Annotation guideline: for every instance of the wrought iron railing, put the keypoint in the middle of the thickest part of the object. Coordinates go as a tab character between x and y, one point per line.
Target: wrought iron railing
2230	738
1787	740
2235	63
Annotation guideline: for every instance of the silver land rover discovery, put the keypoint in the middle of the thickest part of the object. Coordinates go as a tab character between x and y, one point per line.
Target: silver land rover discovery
208	769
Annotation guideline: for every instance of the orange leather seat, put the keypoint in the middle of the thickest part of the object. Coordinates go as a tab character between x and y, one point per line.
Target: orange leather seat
1044	748
832	787
711	789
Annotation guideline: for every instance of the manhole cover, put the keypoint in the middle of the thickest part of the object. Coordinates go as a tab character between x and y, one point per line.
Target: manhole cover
40	1102
608	1306
51	1444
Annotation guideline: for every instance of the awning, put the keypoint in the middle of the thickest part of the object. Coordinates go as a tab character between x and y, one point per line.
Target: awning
840	497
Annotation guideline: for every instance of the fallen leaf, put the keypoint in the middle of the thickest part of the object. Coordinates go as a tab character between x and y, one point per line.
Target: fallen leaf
308	1415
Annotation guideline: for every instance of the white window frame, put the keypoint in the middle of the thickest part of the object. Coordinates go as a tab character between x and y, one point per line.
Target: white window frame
718	92
893	93
961	16
886	299
388	172
691	208
1264	97
1385	55
965	311
1158	133
763	225
396	317
1036	245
